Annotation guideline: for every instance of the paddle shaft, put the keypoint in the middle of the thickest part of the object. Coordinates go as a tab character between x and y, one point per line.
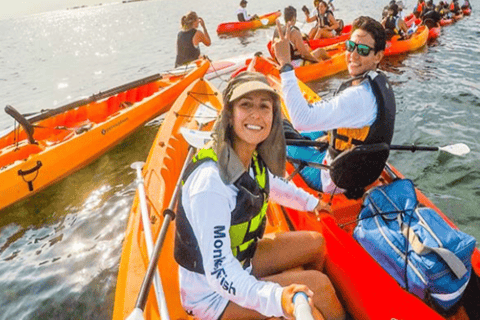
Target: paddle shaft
169	214
157	283
302	309
313	143
95	97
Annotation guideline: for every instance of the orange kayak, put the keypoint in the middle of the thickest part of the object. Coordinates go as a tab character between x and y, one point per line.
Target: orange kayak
314	70
415	42
262	21
66	139
350	268
161	172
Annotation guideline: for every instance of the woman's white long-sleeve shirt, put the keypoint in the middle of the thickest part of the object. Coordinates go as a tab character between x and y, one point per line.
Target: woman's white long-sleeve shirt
354	107
208	204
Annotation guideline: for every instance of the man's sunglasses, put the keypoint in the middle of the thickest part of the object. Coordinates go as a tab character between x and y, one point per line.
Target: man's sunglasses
362	49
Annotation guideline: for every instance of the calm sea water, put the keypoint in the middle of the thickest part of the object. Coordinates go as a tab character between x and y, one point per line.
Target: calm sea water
60	249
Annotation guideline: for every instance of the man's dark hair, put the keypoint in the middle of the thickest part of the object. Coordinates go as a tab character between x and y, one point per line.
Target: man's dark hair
373	27
394	8
289	13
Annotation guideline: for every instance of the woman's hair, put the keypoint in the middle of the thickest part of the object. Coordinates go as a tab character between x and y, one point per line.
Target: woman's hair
374	28
188	20
272	149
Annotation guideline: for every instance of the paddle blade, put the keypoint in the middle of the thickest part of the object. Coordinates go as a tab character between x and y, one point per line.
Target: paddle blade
458	149
196	138
205	114
137	314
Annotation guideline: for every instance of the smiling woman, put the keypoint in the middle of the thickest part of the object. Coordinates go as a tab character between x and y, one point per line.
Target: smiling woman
221	219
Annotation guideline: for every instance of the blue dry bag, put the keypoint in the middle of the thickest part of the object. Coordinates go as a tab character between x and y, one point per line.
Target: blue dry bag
415	245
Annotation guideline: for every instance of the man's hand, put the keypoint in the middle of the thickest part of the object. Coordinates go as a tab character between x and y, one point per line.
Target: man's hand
281	45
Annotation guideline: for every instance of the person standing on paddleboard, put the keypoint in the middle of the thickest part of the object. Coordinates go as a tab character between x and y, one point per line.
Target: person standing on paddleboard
189	39
228	269
362	111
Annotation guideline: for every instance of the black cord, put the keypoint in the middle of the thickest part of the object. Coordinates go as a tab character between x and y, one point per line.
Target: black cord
199	101
215	70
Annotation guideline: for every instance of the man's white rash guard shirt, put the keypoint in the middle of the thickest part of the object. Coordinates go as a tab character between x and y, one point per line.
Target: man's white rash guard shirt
354	107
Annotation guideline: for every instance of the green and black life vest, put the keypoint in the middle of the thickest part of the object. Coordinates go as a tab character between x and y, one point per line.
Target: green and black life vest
248	217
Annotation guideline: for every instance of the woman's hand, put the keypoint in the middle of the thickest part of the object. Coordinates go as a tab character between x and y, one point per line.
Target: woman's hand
322	206
287	298
202	23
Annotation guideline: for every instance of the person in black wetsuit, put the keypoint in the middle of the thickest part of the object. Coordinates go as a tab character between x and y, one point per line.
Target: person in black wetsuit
189	38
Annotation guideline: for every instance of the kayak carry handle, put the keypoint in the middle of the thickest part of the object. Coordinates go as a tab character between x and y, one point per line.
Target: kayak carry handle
27	126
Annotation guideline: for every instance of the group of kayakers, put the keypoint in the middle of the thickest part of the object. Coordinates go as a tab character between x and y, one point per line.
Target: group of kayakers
228	268
451	10
326	26
429	13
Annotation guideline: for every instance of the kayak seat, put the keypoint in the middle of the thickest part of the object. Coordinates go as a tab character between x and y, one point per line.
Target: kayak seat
22	152
358	167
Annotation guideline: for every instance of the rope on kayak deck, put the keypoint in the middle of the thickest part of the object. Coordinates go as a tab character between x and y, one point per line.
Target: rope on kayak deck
191	94
215	70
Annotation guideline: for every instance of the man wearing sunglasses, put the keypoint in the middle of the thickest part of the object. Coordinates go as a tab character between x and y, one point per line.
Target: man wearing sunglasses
362	110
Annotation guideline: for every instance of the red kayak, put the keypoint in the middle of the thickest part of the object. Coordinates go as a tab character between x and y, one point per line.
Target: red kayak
263	21
433	33
467	11
325	42
365	288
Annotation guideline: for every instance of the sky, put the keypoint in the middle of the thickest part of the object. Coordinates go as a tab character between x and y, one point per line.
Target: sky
17	8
